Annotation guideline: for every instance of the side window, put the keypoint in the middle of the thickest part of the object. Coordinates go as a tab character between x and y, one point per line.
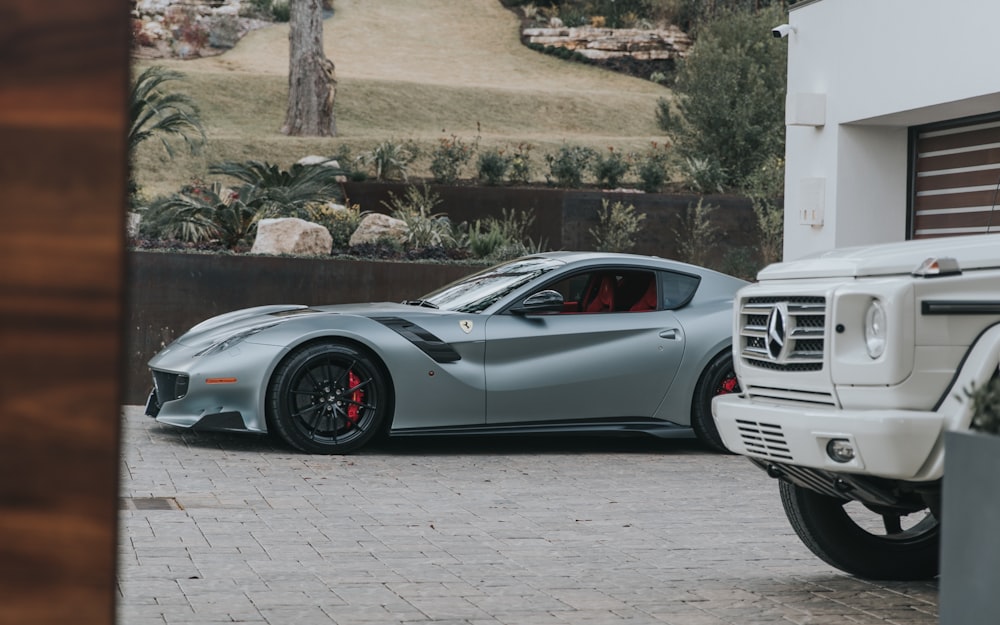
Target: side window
604	291
677	289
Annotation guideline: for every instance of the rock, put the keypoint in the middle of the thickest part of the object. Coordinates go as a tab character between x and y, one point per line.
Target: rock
290	235
156	24
325	161
375	226
611	43
132	221
314	159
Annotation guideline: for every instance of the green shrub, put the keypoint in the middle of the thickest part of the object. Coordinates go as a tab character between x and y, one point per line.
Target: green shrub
692	16
281	11
704	175
505	237
731	89
617	225
696	233
652	168
520	164
664	115
390	160
620	13
425	228
610	168
493	166
567	166
485	237
448	158
765	187
341	222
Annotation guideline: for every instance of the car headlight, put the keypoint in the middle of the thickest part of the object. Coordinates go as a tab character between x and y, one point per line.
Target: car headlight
875	329
230	341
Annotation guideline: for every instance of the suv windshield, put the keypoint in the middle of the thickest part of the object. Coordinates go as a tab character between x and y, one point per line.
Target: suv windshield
481	290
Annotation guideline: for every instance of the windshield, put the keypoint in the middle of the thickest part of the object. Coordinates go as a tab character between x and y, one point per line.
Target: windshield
481	290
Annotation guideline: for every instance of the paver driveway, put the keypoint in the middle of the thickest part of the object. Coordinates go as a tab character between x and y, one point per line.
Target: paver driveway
220	528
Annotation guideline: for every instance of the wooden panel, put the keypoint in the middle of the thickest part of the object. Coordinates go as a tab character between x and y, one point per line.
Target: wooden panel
960	139
63	78
957	180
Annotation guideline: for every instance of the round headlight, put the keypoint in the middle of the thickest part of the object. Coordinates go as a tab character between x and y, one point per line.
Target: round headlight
875	329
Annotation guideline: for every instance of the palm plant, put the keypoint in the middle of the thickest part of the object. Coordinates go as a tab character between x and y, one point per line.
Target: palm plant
278	192
167	115
155	112
200	213
390	160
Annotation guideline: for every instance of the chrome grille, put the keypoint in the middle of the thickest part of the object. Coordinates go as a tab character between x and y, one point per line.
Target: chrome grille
764	439
783	333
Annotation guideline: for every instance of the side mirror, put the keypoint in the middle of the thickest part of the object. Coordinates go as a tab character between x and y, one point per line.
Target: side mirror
542	302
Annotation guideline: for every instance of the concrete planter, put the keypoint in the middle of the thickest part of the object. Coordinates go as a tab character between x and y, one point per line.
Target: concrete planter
970	525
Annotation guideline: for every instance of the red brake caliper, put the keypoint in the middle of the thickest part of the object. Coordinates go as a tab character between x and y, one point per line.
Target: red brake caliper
354	411
728	386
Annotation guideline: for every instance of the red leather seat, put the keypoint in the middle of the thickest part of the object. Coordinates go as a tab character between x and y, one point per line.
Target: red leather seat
648	299
602	297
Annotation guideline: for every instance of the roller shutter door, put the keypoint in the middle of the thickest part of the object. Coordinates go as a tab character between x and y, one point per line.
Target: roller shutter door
956	183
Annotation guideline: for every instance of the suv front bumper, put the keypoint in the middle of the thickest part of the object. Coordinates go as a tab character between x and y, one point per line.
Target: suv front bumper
895	444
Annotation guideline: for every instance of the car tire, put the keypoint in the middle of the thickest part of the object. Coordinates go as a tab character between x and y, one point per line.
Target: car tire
824	525
328	398
718	378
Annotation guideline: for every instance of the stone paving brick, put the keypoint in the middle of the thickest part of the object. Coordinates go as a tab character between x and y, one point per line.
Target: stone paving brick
471	532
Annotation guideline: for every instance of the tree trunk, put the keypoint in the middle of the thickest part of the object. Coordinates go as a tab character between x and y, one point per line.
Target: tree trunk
312	82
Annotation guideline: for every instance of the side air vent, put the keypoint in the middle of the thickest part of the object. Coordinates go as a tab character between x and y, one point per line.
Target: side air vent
421	338
764	439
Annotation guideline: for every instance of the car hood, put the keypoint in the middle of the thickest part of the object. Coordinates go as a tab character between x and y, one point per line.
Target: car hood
971	252
249	320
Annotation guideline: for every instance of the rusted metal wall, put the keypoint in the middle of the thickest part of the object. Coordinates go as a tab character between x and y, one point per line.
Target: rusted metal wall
564	217
170	292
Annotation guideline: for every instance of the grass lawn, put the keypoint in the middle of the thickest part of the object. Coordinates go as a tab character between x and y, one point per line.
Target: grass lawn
420	70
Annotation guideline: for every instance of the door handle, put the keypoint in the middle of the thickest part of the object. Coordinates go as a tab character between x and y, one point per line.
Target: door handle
670	334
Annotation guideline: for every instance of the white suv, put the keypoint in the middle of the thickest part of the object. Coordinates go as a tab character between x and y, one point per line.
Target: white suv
852	364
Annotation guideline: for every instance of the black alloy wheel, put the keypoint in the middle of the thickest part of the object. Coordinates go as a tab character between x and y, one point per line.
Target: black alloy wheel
328	398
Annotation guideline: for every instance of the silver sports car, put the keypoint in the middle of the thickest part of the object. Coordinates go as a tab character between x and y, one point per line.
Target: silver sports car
575	342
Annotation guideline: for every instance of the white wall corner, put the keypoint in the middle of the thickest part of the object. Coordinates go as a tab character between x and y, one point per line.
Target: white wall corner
805	109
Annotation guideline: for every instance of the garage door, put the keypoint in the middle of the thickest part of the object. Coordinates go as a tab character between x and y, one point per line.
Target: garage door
956	180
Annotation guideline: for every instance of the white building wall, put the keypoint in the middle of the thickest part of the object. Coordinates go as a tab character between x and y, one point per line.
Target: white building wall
880	66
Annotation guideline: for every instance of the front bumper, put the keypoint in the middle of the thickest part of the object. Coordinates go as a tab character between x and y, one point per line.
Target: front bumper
220	421
224	391
894	444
